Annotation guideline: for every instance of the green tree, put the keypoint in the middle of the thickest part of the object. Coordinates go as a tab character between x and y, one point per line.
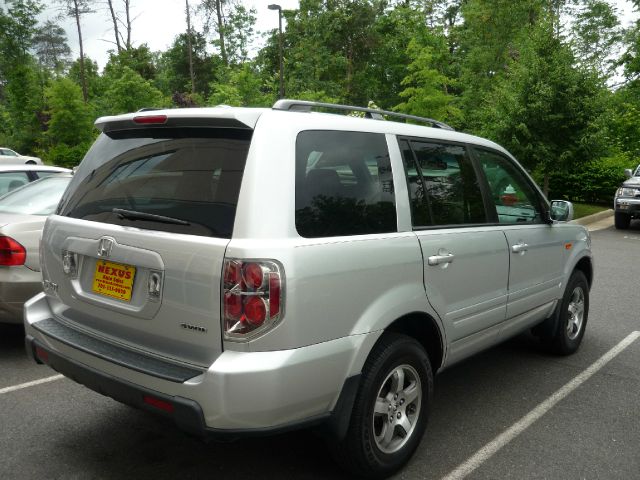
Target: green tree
138	59
70	127
240	86
129	92
545	109
51	47
173	66
427	87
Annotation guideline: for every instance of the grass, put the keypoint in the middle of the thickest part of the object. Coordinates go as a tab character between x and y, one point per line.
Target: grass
583	209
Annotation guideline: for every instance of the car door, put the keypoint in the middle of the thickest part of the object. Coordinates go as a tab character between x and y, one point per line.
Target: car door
536	248
466	260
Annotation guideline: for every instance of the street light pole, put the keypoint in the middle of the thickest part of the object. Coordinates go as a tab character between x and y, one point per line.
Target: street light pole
279	8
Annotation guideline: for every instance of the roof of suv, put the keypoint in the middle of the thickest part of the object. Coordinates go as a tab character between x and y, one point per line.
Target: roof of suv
243	117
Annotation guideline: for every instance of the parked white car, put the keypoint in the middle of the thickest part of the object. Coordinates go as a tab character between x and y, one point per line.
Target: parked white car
8	156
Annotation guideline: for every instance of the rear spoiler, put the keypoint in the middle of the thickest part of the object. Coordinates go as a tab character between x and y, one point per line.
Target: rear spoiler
218	117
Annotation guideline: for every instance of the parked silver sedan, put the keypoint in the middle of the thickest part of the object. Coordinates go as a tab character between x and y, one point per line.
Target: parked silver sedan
23	212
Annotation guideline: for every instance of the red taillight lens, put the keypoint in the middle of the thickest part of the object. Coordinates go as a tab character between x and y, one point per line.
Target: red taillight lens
255	310
232	305
253	275
11	252
252	296
150	119
274	294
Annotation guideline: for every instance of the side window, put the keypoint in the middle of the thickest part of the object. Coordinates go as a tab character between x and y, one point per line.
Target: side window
12	180
344	184
516	201
446	174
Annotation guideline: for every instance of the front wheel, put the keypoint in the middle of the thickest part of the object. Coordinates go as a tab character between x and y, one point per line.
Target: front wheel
391	409
622	220
572	317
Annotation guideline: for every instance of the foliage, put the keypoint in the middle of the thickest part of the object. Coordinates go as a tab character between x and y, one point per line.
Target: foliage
51	47
544	109
71	120
129	92
594	181
239	87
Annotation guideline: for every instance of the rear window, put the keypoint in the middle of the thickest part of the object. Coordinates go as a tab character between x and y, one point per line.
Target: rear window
344	184
180	180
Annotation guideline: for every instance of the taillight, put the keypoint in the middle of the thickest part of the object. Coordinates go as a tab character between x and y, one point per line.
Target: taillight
252	294
11	252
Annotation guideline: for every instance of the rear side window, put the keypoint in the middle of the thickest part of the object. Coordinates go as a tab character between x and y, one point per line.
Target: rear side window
446	174
169	179
344	184
12	180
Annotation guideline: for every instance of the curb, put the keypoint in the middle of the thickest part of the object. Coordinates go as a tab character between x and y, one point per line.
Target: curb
593	218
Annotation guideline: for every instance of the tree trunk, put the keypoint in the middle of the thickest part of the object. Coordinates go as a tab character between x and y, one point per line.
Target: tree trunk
223	51
83	80
114	19
193	83
127	13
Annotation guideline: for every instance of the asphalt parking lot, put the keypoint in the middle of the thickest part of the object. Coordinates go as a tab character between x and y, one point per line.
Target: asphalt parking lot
494	416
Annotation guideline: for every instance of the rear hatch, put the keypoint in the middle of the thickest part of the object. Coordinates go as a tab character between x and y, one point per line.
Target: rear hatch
137	246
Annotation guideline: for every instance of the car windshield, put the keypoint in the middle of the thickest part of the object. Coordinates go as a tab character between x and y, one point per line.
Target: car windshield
38	198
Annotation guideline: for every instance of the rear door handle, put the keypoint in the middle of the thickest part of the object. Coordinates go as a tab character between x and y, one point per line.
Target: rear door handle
440	259
519	247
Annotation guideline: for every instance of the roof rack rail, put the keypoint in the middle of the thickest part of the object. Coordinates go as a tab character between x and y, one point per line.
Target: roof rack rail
374	113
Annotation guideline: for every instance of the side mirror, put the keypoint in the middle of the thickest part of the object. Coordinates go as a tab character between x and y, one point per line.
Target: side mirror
561	211
628	173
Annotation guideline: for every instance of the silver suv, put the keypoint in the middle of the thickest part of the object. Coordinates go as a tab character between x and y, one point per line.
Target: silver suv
249	271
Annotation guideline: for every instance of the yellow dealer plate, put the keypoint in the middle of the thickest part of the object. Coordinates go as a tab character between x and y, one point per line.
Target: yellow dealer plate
114	280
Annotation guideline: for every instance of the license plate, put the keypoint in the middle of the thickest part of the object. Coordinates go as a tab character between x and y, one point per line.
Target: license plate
114	280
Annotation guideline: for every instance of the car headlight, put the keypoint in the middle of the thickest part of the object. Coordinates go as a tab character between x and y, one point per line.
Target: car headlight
626	192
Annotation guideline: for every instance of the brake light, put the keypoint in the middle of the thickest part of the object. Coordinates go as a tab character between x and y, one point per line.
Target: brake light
11	252
150	119
252	297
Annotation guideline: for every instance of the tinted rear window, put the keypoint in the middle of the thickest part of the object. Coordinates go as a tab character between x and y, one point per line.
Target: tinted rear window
344	184
192	176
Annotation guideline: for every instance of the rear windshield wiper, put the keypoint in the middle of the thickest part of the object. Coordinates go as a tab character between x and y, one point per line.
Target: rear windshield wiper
134	215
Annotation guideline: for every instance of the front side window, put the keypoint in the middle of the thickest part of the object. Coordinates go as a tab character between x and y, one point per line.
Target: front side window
179	180
514	197
442	183
344	184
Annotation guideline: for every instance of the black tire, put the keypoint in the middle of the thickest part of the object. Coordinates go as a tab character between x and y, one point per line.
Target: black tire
622	220
572	316
30	162
362	450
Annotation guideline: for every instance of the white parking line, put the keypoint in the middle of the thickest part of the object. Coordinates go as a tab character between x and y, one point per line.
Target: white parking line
30	384
486	452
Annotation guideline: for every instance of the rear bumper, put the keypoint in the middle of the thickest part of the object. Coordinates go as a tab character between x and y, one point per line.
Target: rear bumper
240	394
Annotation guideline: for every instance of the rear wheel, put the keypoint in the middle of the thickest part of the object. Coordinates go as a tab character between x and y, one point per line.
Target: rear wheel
390	411
622	220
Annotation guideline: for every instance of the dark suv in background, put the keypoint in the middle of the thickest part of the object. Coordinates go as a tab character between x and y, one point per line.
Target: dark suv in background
626	203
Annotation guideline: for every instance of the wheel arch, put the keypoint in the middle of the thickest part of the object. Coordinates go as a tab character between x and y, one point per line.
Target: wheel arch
425	330
586	267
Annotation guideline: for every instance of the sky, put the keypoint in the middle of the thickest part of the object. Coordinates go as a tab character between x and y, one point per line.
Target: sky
158	22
